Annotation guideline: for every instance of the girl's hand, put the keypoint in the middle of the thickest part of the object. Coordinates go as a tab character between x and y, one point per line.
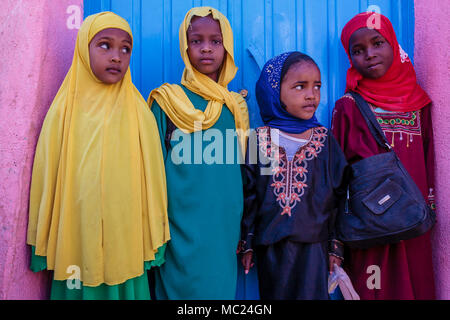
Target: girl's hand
247	261
334	260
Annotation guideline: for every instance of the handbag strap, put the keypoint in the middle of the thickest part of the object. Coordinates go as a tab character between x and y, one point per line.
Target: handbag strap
371	121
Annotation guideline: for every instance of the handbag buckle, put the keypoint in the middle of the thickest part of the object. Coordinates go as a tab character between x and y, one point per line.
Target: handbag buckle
384	199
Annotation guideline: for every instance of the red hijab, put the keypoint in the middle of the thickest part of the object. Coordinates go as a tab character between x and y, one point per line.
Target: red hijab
397	90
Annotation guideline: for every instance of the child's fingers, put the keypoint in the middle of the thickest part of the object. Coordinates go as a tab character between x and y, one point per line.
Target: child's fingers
331	264
332	261
247	262
249	266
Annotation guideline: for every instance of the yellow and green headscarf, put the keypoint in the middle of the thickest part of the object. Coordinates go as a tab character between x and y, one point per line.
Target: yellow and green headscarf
98	195
175	103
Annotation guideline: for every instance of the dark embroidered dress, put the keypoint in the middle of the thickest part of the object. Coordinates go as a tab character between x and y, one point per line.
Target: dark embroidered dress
289	213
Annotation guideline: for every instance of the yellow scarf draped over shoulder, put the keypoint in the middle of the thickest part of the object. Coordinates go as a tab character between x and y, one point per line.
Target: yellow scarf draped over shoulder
98	197
176	104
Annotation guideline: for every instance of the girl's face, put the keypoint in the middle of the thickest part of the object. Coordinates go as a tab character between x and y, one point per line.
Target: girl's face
110	53
205	46
370	52
300	90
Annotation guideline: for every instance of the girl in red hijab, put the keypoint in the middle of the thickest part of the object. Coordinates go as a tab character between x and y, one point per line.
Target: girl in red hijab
384	76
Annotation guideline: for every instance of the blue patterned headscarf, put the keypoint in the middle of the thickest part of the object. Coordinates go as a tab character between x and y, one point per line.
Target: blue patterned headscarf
273	112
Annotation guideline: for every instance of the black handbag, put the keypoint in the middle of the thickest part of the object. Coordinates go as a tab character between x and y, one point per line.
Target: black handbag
383	205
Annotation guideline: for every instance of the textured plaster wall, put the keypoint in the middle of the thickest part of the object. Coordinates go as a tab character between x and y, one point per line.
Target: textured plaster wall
432	64
36	52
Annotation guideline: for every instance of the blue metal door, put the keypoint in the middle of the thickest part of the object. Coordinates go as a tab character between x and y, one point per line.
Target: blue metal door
262	29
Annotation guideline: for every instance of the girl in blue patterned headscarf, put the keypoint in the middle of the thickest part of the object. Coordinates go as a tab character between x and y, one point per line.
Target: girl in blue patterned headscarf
268	94
291	185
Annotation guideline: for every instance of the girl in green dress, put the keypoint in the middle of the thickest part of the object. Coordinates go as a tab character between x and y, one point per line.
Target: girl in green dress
204	182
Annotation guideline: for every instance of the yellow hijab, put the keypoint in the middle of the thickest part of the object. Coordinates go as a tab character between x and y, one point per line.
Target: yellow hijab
98	196
175	103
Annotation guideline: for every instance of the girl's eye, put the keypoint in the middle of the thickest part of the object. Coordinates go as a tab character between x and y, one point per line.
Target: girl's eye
126	50
104	45
195	41
299	87
378	43
217	42
317	87
356	52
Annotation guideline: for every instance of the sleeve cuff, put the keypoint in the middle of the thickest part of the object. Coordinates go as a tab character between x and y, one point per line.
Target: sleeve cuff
246	244
336	248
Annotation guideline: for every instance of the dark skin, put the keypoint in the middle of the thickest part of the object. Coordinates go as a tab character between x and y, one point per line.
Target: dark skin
371	53
300	93
110	54
205	46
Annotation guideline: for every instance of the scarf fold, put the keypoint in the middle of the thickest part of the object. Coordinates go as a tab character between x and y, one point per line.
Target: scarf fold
272	111
398	89
174	101
98	197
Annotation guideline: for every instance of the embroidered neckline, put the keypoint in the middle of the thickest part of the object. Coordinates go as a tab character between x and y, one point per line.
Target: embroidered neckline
289	177
399	124
404	125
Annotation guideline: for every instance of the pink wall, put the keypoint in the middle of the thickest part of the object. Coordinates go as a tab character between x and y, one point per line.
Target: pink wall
432	64
36	51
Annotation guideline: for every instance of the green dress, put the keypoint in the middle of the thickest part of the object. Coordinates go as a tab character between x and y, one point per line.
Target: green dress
205	206
132	289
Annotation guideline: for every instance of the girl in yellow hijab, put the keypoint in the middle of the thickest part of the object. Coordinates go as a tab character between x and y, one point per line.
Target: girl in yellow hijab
204	186
98	201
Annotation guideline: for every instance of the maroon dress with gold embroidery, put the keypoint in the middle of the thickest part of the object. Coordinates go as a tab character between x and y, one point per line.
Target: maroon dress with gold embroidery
406	270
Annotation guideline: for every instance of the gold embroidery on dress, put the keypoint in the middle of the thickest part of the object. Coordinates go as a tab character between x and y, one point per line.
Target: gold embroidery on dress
398	124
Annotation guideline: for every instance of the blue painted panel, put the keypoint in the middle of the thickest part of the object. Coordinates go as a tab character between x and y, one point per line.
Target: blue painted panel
262	29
